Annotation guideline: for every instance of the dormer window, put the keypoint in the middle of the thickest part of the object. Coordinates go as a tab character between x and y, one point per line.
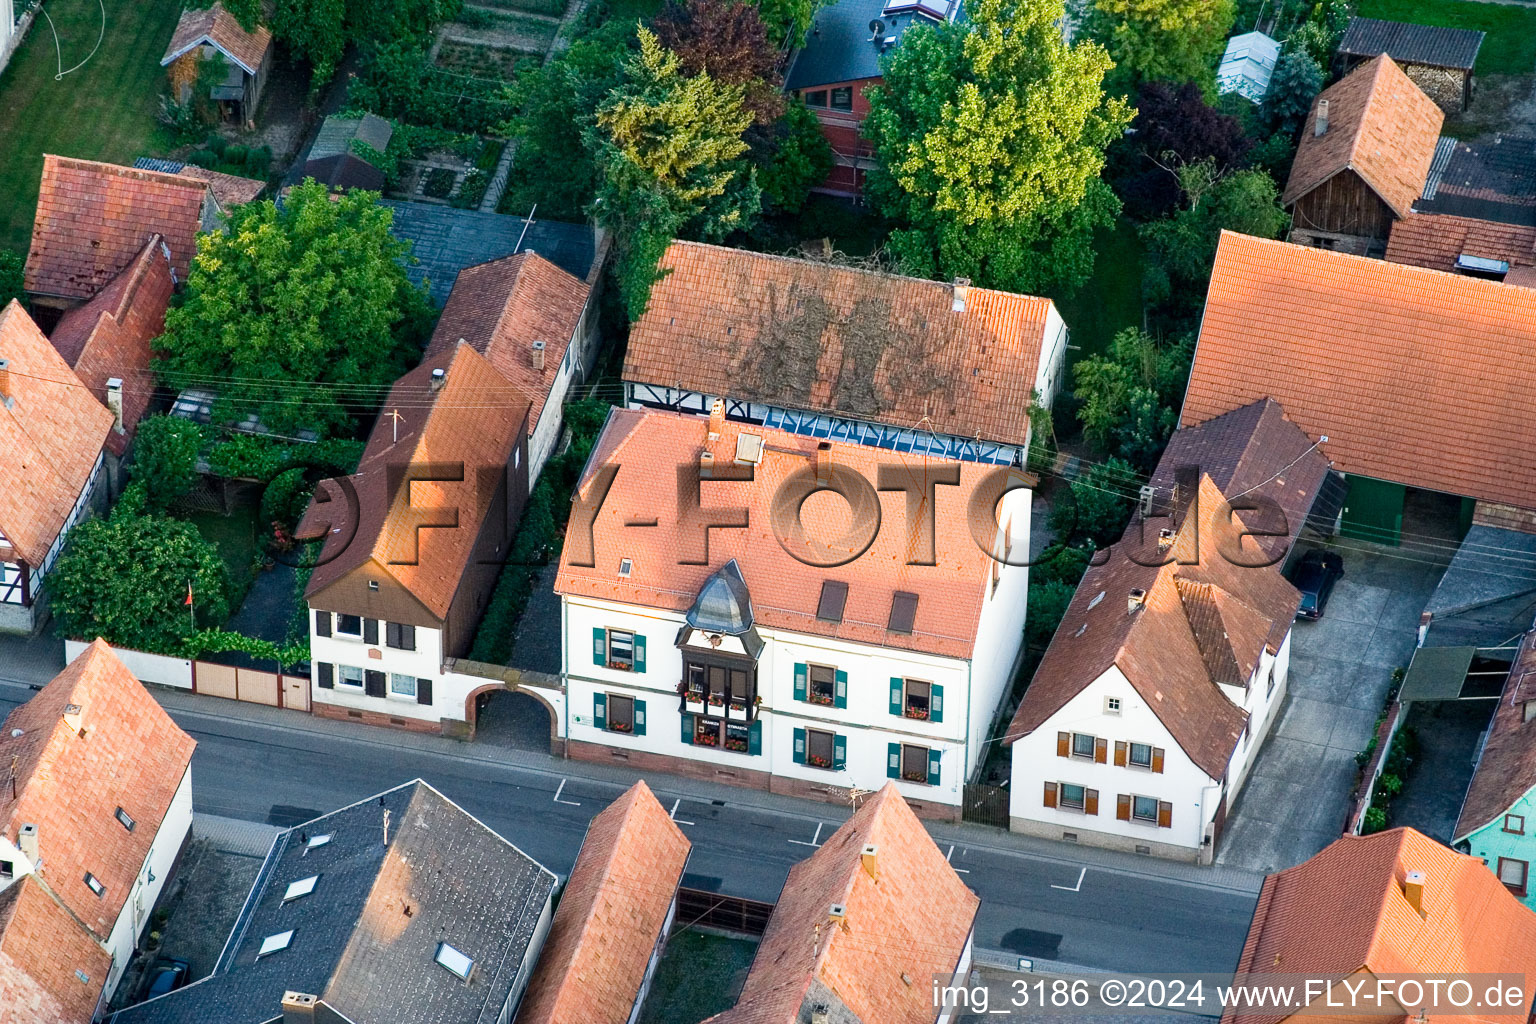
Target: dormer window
903	612
834	596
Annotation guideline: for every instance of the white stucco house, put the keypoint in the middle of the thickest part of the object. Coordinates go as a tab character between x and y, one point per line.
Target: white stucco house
1164	676
102	801
809	654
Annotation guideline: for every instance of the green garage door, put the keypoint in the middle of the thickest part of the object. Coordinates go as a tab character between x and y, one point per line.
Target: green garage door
1373	510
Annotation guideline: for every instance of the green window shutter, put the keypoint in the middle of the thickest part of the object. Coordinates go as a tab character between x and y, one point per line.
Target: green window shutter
600	710
639	718
687	728
800	673
896	691
600	646
933	766
755	737
639	653
840	692
839	751
936	703
893	760
799	746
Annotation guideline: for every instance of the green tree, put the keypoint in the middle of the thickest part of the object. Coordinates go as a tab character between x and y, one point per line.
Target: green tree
803	160
670	154
557	106
1296	81
1047	604
313	292
1184	245
787	20
1096	508
165	459
990	136
1127	395
12	276
246	12
315	30
125	579
1162	40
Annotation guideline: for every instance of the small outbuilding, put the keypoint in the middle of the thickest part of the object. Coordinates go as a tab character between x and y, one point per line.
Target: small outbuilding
1247	66
214	32
1438	60
334	160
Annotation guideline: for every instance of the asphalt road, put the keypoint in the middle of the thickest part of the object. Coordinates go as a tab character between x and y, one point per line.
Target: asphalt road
1040	906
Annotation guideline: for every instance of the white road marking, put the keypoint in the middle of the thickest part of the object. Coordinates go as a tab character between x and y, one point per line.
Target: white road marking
561	789
1073	888
815	839
673	813
951	853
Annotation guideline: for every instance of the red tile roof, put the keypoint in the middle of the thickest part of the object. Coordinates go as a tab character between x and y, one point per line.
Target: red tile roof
826	338
1200	624
904	925
1345	910
611	916
1416	376
110	335
502	307
1380	125
52	430
473	420
1436	240
217	26
649	446
130	756
41	948
93	219
1506	767
228	189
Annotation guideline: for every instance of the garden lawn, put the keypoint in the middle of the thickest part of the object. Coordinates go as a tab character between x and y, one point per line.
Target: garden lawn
104	111
1510	47
234	536
1111	300
700	974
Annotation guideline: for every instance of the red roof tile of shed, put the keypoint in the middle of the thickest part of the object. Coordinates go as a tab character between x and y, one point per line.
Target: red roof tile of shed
1415	376
51	429
41	948
110	335
1346	910
217	26
612	916
1437	240
94	218
832	339
906	923
1380	125
76	766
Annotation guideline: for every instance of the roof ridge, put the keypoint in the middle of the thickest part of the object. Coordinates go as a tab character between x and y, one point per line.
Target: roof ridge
126	171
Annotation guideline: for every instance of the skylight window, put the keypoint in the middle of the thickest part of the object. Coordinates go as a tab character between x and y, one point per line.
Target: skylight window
125	819
455	961
903	612
303	887
834	596
272	943
626	567
94	884
315	841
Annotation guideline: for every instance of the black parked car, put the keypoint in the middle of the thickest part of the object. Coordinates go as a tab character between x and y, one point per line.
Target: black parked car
166	976
1315	575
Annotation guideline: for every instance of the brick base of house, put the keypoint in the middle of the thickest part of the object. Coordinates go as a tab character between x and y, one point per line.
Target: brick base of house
375	718
1147	846
733	775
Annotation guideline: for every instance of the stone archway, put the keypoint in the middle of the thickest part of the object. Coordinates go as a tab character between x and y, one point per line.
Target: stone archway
511	718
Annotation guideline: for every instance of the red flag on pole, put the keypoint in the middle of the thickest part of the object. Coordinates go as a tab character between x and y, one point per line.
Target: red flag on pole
189	593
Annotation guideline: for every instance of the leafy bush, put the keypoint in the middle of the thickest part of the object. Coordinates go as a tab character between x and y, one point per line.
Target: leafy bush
258	161
217	143
234	153
203	158
255	457
286	498
439	183
165	460
12	270
1375	820
1047	604
126	578
1096	508
472	190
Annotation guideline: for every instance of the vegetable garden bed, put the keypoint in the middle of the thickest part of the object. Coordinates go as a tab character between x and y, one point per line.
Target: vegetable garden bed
484	62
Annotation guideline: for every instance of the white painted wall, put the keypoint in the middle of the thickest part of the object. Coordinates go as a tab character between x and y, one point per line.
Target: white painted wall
1000	633
157	865
146	668
425	662
866	723
1053	357
1036	762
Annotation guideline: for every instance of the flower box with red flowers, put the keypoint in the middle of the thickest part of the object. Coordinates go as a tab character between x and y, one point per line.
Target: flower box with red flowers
921	714
739	746
915	776
706	739
817	761
825	700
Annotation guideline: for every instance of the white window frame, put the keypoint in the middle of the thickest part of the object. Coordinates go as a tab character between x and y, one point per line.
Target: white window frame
347	634
342	680
1093	745
395	694
611	633
1081	807
1141	817
1130	755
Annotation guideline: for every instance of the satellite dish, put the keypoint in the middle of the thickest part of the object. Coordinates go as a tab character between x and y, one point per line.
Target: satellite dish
877	28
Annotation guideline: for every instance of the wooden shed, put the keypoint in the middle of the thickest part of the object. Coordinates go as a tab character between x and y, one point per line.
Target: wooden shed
213	31
1438	60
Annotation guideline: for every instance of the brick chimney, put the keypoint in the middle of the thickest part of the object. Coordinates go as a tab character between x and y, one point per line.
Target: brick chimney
5	383
538	356
716	419
298	1007
962	290
870	858
1413	890
823	464
115	402
1320	125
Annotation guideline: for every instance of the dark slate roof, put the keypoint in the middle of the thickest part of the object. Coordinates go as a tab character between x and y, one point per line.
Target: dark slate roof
1488	178
337	133
152	163
365	939
1412	44
839	47
723	604
446	240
